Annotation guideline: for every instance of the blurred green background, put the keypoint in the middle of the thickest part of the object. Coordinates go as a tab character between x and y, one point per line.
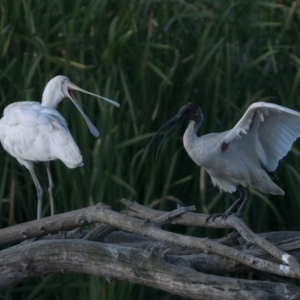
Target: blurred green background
152	57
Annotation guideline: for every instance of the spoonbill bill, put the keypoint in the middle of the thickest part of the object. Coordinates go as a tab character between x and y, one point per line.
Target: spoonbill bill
245	155
36	132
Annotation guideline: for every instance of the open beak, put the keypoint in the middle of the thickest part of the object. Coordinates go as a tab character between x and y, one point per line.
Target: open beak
72	86
69	93
173	123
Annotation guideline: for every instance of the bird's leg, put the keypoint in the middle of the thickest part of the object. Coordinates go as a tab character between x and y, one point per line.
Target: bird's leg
225	214
51	187
39	193
230	209
245	200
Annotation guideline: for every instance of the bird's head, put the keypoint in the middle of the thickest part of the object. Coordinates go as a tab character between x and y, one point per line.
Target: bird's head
190	112
61	87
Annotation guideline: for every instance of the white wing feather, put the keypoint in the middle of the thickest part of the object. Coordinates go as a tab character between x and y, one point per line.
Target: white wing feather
277	128
31	132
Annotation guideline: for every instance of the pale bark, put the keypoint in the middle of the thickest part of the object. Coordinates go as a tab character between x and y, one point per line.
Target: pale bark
142	266
144	253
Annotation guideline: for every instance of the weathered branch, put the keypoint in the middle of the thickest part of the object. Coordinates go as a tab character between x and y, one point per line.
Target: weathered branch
128	263
231	221
101	214
189	219
255	239
99	232
148	254
182	256
44	226
169	216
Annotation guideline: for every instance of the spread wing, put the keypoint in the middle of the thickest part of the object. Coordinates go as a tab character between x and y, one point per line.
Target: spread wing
272	128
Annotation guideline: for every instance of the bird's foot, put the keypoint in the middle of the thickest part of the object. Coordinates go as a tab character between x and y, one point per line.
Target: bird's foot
223	216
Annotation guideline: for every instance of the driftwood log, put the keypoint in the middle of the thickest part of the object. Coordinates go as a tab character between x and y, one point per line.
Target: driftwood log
132	246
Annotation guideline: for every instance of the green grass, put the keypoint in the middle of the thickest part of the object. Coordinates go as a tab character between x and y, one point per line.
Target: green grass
153	57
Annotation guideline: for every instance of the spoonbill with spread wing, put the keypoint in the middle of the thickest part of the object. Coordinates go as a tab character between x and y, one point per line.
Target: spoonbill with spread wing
244	155
35	132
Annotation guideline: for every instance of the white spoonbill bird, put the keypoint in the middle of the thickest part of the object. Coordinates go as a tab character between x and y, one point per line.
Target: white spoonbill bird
244	155
35	132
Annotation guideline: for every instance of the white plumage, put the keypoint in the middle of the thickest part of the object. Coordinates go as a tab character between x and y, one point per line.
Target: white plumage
36	132
244	155
32	133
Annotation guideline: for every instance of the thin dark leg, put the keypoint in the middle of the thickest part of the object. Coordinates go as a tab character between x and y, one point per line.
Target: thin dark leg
230	209
245	200
51	187
39	193
243	194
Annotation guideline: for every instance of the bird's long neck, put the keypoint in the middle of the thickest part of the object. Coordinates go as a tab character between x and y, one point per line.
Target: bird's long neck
190	136
51	96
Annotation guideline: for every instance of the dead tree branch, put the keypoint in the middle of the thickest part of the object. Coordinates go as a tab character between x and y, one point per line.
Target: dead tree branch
232	222
146	254
127	263
102	214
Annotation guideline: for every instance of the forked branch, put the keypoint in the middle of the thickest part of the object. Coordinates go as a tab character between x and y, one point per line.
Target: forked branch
234	222
145	253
